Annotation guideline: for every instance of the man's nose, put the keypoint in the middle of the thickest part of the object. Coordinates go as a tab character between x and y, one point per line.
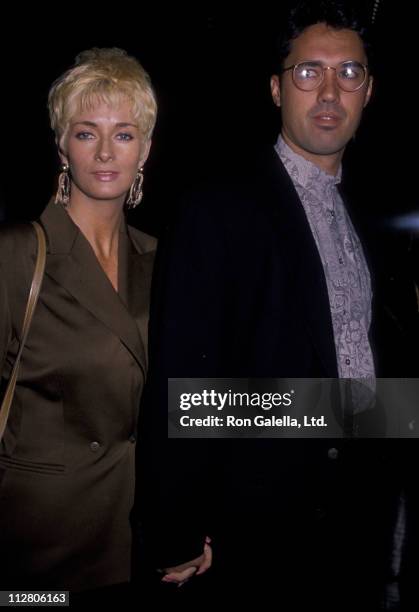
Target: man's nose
329	90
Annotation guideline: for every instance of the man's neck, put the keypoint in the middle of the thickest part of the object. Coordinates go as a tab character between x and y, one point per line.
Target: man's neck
329	164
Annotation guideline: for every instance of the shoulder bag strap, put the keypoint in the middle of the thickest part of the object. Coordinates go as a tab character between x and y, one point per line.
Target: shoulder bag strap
30	308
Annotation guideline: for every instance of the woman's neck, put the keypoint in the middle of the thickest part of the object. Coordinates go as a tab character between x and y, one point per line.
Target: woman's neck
100	223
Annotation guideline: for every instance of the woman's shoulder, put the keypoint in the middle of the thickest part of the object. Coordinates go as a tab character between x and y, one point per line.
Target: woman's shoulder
144	243
18	247
16	240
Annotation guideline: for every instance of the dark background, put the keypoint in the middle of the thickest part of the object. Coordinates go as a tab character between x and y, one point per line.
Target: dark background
211	74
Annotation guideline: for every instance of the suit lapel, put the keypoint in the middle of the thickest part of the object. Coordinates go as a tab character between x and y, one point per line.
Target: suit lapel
72	264
298	247
135	281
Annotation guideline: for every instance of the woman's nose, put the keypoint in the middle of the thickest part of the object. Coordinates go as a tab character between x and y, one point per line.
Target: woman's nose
104	151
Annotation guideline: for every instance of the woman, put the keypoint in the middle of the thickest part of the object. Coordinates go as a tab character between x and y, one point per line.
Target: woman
67	456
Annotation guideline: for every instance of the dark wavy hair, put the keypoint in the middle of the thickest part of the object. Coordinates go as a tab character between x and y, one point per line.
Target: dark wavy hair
338	14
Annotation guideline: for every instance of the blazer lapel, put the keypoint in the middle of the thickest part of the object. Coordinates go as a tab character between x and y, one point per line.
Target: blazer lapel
72	263
135	269
298	247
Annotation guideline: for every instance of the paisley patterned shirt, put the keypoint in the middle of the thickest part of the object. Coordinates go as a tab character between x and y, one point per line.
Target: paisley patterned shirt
346	272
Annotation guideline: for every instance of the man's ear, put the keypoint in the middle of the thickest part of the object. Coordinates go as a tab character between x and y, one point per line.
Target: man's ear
369	90
276	89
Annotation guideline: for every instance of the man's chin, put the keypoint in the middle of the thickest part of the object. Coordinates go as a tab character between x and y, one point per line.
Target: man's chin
327	148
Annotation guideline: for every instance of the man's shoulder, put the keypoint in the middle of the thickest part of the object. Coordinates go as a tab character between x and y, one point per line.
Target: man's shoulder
237	190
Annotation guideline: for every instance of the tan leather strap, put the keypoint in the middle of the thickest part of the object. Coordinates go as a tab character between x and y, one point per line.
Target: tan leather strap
30	308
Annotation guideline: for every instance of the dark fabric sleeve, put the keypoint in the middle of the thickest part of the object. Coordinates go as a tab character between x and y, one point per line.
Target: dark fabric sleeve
189	318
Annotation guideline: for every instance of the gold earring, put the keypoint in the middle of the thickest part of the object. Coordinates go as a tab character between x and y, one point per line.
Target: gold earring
135	193
63	192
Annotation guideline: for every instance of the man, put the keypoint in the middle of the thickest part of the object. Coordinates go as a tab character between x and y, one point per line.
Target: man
265	276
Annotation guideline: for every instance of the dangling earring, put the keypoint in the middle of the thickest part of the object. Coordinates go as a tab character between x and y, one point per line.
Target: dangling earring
135	193
63	192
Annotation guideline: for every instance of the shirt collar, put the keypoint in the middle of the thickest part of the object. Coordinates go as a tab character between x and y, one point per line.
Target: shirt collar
304	172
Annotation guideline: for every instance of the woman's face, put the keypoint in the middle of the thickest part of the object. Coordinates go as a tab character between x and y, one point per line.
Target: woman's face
104	148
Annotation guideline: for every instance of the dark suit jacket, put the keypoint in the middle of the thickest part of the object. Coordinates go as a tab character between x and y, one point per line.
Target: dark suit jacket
240	291
67	457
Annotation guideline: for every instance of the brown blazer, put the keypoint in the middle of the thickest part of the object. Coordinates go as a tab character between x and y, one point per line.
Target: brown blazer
67	457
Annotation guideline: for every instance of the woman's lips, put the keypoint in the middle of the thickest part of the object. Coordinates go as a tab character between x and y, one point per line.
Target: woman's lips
106	176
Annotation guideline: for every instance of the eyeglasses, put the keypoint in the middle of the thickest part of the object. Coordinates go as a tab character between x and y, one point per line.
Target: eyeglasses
308	76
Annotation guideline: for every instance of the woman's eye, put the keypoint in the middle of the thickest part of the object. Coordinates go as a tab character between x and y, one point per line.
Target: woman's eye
124	136
84	135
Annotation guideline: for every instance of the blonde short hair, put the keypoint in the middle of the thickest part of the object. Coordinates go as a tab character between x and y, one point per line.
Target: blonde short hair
108	75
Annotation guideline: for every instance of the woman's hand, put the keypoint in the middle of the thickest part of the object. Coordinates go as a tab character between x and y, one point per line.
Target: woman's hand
180	574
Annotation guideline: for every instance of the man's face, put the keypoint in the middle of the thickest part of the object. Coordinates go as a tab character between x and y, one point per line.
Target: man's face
318	124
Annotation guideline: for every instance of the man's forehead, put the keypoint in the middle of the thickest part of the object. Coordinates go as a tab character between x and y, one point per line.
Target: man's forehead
321	41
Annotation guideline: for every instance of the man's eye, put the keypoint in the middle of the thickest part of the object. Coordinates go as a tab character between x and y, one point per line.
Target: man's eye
349	73
308	72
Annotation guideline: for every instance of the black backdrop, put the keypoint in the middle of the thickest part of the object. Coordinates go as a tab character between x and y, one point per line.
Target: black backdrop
211	73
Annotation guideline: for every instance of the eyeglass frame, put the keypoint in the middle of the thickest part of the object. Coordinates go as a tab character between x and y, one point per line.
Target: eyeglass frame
324	68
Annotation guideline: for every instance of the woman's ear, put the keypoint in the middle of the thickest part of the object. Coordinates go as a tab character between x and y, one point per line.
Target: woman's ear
61	150
145	153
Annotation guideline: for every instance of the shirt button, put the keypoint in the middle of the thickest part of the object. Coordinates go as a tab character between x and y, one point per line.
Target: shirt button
333	453
132	438
94	446
347	361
